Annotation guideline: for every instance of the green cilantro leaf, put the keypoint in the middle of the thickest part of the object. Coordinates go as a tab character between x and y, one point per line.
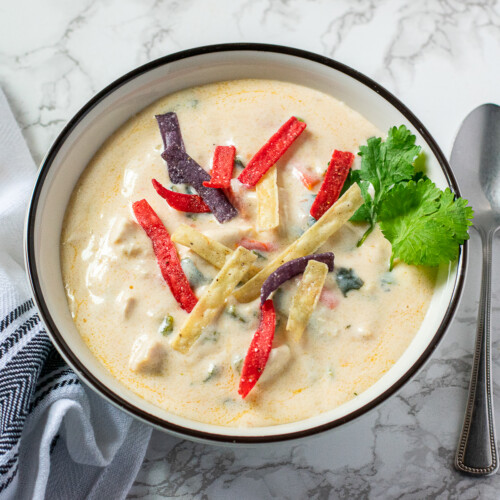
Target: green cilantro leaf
384	164
457	214
352	178
424	224
364	212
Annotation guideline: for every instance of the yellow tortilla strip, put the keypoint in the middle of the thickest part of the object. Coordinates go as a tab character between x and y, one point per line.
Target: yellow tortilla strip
268	216
306	298
212	251
331	221
214	299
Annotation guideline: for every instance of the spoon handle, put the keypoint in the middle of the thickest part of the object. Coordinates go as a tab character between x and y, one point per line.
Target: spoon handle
477	451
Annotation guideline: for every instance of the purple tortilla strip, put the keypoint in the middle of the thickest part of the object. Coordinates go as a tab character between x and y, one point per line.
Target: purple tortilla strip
183	167
290	269
171	134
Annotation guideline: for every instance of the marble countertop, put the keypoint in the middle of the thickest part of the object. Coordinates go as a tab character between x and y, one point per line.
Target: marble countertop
440	57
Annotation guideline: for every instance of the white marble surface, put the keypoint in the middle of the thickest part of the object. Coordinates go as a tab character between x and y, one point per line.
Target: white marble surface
441	57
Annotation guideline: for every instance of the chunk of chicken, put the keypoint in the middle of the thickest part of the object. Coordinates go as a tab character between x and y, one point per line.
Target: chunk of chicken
147	355
123	233
126	303
122	230
363	331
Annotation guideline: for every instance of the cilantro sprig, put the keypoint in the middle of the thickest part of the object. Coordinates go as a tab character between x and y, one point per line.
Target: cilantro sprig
383	164
424	224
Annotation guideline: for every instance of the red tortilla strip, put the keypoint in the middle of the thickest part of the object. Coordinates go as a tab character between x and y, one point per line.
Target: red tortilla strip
271	152
331	187
259	350
222	167
180	201
166	255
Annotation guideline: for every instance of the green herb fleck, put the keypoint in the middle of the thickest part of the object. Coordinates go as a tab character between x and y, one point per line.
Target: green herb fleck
233	312
193	274
212	336
387	280
347	280
355	393
259	255
213	370
237	363
167	325
238	162
299	119
311	221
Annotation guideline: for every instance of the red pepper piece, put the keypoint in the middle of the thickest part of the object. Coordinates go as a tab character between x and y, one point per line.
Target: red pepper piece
306	178
335	177
166	255
180	201
222	167
260	246
329	298
271	152
259	350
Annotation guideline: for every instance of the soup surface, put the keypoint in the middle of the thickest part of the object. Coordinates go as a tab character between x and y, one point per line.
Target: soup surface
119	300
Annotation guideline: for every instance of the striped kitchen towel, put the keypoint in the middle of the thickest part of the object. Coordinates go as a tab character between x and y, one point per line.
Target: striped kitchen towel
57	438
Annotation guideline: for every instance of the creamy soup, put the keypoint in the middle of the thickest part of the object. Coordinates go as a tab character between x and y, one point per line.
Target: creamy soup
120	301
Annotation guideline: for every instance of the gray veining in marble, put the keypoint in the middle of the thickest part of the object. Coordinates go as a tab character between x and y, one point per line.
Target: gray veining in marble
441	57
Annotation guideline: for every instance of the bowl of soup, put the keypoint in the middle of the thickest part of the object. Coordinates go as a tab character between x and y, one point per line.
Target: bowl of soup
166	336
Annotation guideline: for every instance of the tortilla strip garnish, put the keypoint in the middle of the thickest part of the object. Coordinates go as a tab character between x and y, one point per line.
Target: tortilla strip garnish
212	251
306	298
213	300
268	215
331	221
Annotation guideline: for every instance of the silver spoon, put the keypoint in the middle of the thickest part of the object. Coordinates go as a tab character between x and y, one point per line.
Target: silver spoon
475	160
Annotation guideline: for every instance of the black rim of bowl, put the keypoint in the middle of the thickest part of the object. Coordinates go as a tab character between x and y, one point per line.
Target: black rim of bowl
102	389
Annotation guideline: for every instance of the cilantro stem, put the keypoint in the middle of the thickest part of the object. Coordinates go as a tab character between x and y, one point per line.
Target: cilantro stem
373	219
391	265
367	233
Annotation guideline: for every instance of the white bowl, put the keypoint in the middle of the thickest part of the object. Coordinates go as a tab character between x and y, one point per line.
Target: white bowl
102	115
